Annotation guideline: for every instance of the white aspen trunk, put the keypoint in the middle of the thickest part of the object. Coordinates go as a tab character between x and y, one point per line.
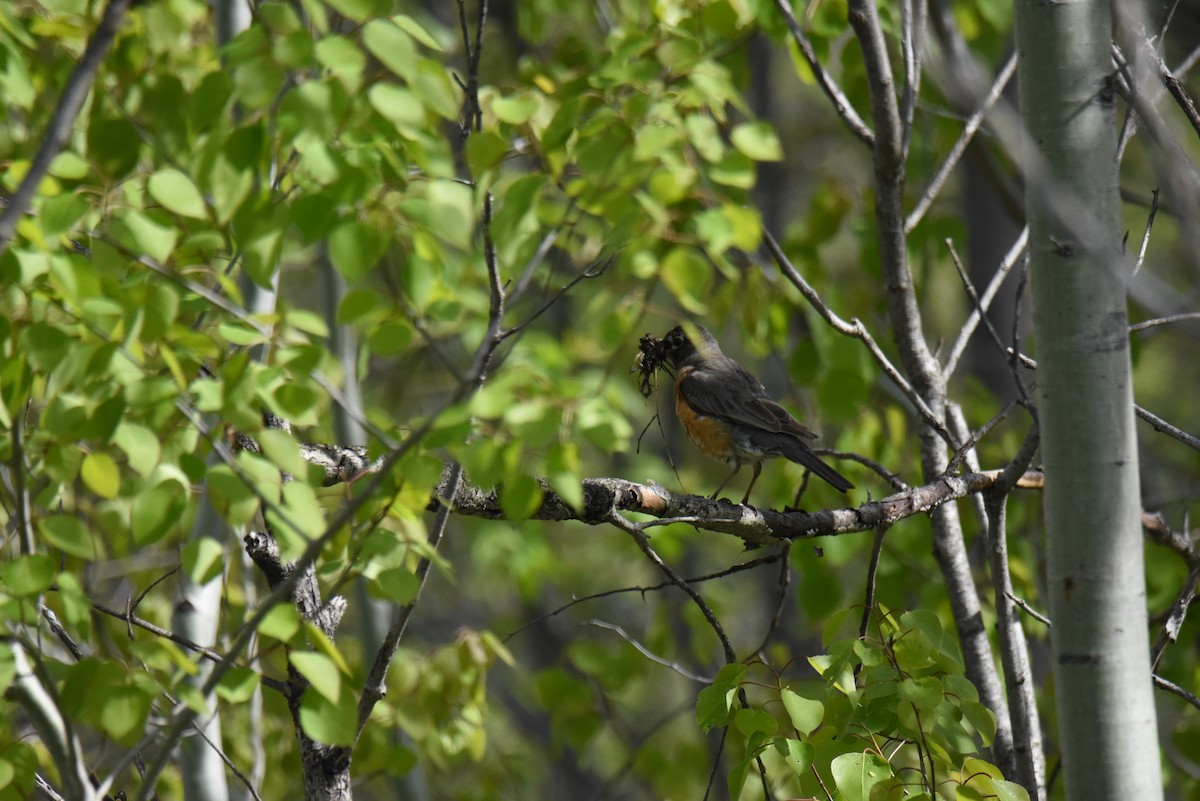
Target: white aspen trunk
1095	577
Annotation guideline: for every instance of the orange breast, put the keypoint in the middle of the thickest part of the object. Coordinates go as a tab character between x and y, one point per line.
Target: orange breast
710	435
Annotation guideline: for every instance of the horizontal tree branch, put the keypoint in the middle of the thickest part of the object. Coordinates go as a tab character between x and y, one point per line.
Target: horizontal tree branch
602	497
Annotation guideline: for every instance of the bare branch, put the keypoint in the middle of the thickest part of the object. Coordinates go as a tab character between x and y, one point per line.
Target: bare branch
856	330
1157	423
974	122
872	572
1026	762
1160	532
644	651
639	537
1172	687
1174	318
985	301
604	497
1024	606
781	591
53	729
1146	236
739	568
1175	618
375	687
841	104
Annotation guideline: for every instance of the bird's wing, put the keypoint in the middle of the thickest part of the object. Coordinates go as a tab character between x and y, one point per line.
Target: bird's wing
741	399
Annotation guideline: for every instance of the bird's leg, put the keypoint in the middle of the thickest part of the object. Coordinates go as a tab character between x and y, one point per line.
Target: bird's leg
753	478
736	467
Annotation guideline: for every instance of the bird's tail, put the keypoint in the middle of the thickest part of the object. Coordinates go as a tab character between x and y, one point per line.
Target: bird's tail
800	454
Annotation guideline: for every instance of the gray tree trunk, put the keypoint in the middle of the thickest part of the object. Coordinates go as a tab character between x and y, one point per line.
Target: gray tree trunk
1096	585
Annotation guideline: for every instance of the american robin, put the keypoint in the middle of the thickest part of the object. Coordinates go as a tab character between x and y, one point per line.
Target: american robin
728	415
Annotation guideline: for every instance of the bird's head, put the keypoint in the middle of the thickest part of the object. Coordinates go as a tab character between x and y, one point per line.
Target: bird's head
686	342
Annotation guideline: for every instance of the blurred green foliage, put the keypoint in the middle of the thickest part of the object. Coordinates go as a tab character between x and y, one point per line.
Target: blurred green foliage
626	131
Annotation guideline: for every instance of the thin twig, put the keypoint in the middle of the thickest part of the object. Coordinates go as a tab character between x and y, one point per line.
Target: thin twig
1024	606
1172	687
891	478
1027	763
1163	427
841	104
985	301
762	560
639	537
1146	236
856	330
375	687
1174	318
872	573
781	592
973	296
1176	616
646	652
974	122
592	271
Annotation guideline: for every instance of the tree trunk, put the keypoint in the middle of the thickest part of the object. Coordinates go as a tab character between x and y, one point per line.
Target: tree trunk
1095	578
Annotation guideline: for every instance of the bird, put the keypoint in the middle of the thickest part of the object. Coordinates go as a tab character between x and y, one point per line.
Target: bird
726	412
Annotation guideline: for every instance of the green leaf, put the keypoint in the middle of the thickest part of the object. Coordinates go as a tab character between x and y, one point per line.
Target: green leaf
757	140
45	345
433	86
357	10
329	722
59	214
737	777
392	46
28	575
320	672
1006	791
563	473
399	106
356	304
688	276
100	474
176	192
390	338
925	693
855	774
123	712
238	685
751	720
398	584
417	31
154	240
203	560
982	719
281	623
326	646
354	248
485	150
733	170
231	495
714	704
799	755
806	714
141	446
515	110
520	497
343	58
69	534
